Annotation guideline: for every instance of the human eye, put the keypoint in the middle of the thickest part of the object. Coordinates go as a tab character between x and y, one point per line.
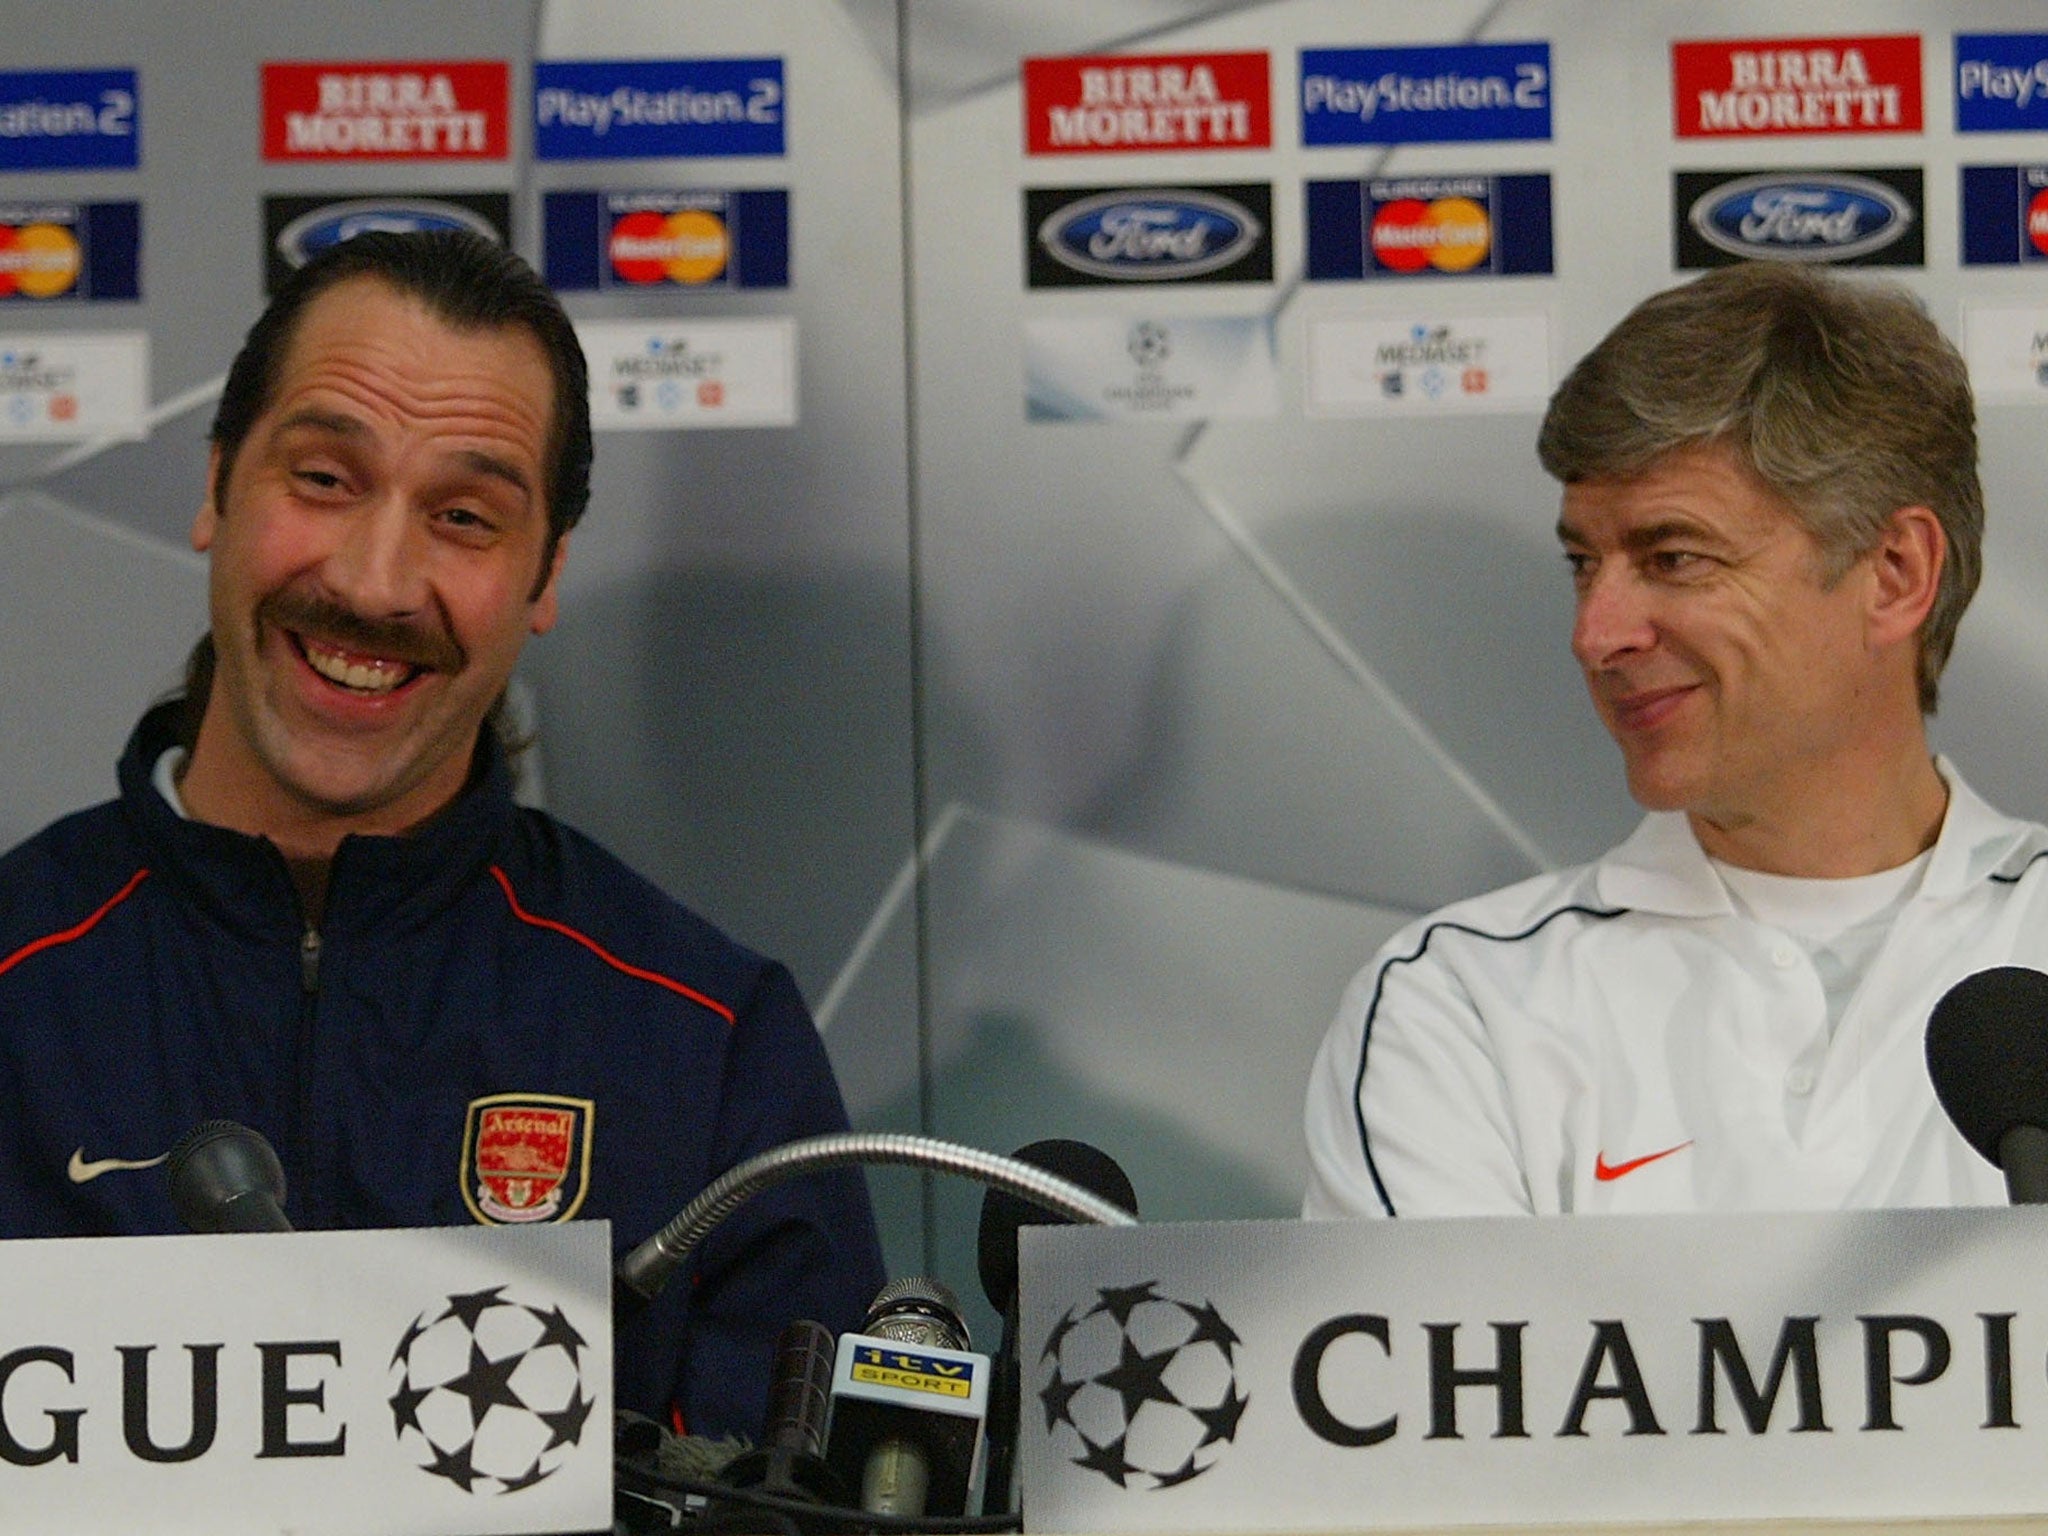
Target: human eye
1580	565
1675	562
468	522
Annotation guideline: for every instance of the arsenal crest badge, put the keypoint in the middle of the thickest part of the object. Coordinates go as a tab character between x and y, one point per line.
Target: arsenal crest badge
525	1157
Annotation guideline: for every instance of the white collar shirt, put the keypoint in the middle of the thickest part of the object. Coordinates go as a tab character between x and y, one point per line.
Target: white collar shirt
1619	1037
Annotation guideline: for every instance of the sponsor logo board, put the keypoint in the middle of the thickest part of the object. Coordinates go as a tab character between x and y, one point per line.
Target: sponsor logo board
1373	365
1107	368
1116	104
695	238
387	110
1861	217
70	120
298	228
2001	82
2006	347
72	387
1191	233
654	109
684	374
1468	93
2005	215
1428	226
1766	87
53	250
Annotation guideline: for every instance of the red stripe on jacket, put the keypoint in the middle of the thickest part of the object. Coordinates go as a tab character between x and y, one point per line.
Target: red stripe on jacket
597	949
52	940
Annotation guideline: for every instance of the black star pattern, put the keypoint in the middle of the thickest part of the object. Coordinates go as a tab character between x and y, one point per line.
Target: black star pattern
419	1326
472	1306
1186	1472
528	1478
1058	1397
487	1383
405	1408
1058	1336
566	1427
1220	1422
555	1328
1106	1459
454	1465
1121	1301
1138	1378
1210	1328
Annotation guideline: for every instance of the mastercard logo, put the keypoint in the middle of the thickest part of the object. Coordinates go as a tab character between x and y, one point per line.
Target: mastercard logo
690	246
38	261
2037	222
1451	234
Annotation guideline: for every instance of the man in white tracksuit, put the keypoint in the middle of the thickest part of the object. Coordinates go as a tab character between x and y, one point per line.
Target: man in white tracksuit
1773	522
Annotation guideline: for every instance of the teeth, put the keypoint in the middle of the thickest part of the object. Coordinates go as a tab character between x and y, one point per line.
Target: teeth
362	676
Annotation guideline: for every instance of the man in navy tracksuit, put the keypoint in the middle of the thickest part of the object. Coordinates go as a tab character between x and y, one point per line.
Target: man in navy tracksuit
316	909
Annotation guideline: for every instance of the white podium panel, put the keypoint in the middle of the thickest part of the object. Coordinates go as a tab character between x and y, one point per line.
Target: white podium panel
415	1383
1875	1367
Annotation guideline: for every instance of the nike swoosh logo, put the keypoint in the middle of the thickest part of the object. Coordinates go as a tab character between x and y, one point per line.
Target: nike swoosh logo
83	1172
1604	1170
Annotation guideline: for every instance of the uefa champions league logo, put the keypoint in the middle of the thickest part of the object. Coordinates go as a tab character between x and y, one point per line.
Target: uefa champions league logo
1142	1387
487	1391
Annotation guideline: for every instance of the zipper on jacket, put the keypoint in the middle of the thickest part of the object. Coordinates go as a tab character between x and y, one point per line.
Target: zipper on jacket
309	961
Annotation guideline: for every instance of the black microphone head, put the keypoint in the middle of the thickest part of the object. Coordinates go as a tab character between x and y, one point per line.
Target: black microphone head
1002	1213
226	1178
1987	1052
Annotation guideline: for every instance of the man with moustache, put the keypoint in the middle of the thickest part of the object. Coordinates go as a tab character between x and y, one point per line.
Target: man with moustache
316	909
1773	524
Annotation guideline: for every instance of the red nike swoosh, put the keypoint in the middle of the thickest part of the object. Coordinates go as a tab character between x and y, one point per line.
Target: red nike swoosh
1604	1170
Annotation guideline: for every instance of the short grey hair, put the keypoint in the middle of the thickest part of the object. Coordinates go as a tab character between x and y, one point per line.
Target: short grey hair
1837	393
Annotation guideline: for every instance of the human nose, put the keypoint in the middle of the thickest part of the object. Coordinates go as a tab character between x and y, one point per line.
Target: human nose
1613	617
376	566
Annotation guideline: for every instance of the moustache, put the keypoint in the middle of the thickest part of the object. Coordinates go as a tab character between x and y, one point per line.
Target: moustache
420	644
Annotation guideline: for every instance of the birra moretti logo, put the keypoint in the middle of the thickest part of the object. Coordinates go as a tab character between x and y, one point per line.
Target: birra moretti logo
1724	89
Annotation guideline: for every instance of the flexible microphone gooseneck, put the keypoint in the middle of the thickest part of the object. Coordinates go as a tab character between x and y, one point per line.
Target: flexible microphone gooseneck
641	1274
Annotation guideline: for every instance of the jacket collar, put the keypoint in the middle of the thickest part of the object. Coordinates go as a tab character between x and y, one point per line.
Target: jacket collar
374	880
1661	867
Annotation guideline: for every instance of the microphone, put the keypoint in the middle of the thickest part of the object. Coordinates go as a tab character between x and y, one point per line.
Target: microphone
1987	1052
1003	1216
790	1460
908	1401
226	1178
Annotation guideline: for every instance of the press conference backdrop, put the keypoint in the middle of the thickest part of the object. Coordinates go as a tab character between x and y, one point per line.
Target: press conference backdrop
1073	656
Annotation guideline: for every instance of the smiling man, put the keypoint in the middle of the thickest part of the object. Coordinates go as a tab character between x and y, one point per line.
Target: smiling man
1772	522
316	909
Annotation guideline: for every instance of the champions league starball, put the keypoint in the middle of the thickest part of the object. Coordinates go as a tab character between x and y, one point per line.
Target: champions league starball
487	1391
1140	1387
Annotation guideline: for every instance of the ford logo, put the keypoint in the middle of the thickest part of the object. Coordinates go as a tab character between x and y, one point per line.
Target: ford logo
1151	237
311	233
1816	217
